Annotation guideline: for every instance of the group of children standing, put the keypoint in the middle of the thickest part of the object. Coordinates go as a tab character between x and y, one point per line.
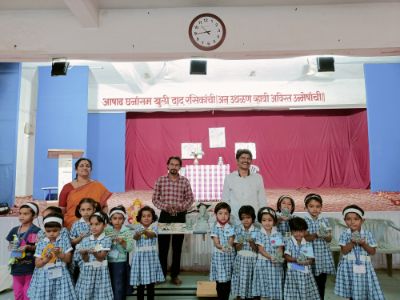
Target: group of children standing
280	257
88	262
288	257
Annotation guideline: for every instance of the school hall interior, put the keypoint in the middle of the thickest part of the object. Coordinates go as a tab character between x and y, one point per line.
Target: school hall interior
311	87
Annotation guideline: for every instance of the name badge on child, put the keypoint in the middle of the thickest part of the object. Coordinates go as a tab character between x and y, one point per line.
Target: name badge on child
359	269
16	254
113	254
276	241
297	267
54	272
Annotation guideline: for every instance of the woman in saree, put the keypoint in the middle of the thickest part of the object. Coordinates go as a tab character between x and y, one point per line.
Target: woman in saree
81	187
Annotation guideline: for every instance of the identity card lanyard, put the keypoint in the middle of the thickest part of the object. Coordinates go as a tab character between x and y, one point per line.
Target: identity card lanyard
298	250
357	254
24	236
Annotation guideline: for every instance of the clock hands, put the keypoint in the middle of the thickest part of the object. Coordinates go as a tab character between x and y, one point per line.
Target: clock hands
207	31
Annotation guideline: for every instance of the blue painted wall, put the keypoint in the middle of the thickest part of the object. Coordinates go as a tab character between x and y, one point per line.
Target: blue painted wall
61	121
106	149
10	83
382	83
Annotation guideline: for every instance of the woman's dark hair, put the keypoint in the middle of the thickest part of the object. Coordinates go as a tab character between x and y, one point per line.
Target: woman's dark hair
100	216
267	211
54	210
353	206
297	224
146	208
279	203
312	196
91	201
176	158
53	224
239	153
222	205
30	208
247	210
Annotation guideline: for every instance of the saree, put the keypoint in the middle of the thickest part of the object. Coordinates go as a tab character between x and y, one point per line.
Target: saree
70	198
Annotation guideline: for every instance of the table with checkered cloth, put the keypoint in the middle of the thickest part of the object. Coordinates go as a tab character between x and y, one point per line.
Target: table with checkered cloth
207	181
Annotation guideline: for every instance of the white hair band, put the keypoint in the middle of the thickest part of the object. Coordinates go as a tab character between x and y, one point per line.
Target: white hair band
33	206
268	211
53	219
353	210
118	211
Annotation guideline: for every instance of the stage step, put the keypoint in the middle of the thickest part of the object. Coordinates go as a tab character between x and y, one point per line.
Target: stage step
176	292
185	291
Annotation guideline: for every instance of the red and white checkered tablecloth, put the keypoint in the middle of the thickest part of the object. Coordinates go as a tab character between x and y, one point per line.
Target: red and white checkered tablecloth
207	181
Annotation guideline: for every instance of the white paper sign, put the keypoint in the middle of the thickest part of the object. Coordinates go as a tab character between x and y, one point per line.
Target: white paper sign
189	149
217	137
248	146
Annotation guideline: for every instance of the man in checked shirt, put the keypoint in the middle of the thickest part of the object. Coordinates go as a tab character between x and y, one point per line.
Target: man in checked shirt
173	196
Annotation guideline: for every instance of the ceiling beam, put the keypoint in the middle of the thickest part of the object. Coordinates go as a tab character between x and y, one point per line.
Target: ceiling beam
86	11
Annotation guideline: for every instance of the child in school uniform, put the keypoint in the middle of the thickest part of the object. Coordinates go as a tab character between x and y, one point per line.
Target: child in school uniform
299	282
52	210
245	261
284	211
122	244
223	255
356	278
268	272
23	241
81	229
146	268
319	235
94	278
51	279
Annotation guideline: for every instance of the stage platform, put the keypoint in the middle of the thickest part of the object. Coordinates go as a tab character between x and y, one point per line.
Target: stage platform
335	199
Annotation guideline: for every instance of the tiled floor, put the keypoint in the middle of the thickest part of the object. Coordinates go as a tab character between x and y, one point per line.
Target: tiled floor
390	286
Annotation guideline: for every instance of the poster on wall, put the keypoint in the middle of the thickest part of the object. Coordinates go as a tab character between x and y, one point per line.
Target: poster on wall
217	137
249	146
189	150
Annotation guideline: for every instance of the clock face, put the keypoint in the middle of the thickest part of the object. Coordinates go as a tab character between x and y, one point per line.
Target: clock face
207	32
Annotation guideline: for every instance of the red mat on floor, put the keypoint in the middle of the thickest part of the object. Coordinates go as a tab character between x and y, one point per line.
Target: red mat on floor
334	199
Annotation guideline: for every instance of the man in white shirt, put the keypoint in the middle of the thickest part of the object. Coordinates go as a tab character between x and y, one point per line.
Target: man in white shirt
242	187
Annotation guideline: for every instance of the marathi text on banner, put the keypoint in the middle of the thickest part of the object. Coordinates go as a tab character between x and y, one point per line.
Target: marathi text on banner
211	101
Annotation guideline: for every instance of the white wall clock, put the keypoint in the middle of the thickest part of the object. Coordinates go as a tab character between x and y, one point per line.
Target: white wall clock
207	32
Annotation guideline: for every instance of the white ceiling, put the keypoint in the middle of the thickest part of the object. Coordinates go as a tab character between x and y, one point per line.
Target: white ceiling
143	4
32	29
139	75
